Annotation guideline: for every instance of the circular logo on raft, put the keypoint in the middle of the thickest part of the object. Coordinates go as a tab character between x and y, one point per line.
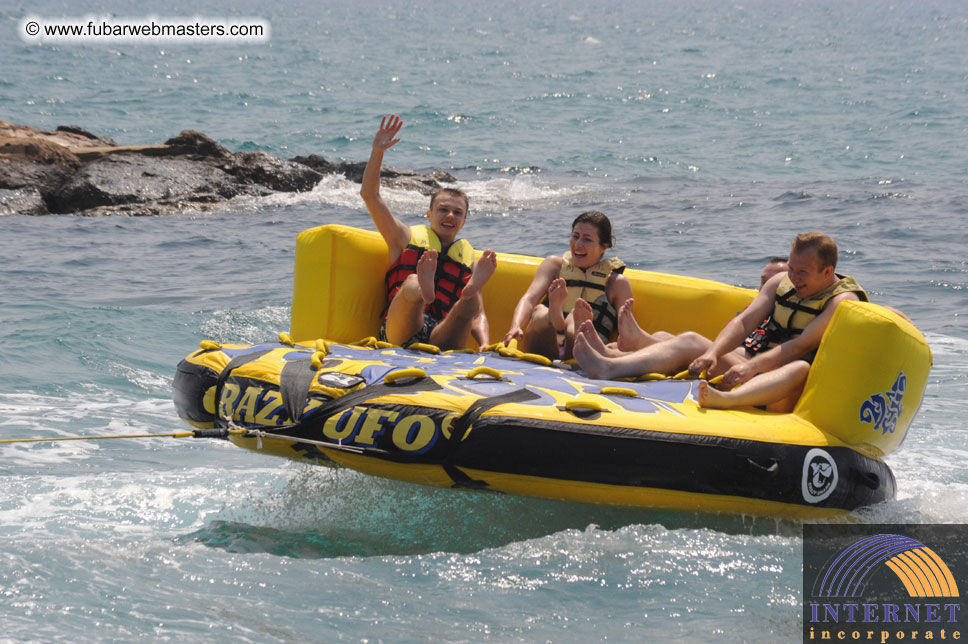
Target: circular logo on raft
819	476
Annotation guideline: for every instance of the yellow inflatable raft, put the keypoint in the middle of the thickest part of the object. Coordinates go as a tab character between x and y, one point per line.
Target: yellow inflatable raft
496	420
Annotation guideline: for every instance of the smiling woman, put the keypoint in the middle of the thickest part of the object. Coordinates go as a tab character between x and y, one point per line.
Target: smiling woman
580	285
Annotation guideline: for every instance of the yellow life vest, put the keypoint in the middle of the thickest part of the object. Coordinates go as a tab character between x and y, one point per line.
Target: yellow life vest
791	314
589	285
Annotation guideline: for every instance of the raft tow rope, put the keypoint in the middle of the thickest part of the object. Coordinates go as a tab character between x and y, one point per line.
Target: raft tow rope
196	433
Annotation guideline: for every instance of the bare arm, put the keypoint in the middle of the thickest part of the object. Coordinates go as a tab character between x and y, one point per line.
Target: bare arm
395	232
738	328
548	270
619	290
791	350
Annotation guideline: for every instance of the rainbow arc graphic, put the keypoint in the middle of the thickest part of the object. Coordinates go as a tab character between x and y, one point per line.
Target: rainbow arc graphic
919	568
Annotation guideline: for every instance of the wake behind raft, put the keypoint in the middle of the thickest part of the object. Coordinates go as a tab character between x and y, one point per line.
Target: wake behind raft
504	421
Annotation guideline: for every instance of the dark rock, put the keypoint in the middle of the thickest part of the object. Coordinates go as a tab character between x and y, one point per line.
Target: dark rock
192	142
318	163
73	129
71	170
272	172
67	139
34	163
353	170
26	201
134	179
425	183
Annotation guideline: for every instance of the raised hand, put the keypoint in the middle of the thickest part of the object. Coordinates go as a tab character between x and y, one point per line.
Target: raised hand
384	139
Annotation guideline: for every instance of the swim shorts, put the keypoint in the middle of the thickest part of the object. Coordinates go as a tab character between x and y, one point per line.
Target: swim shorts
422	336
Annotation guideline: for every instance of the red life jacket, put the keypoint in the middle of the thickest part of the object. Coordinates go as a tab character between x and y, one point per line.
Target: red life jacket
453	269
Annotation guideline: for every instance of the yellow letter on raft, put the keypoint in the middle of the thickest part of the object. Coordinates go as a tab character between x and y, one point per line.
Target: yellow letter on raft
247	404
334	430
270	402
425	430
374	422
227	403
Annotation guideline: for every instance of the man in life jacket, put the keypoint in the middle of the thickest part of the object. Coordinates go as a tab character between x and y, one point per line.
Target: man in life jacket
632	337
433	284
767	348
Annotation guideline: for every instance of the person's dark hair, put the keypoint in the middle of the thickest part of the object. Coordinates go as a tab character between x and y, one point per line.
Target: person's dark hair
600	221
453	192
776	259
825	246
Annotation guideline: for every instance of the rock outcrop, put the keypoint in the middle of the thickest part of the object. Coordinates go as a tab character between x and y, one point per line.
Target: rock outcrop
70	170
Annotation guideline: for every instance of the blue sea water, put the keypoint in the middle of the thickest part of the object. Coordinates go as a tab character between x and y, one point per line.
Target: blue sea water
710	132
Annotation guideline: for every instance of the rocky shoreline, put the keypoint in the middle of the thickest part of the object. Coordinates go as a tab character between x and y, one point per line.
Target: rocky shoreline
72	171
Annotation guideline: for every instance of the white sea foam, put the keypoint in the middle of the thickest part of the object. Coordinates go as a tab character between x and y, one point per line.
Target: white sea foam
251	327
497	195
93	411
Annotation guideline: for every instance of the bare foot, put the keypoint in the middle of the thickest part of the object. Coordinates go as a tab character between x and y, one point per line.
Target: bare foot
557	292
426	270
483	269
631	337
711	398
587	329
582	312
594	364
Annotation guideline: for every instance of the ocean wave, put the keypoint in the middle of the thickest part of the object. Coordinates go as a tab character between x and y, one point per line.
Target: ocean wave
501	194
246	326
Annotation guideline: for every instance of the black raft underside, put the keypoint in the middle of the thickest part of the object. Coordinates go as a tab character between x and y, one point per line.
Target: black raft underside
633	457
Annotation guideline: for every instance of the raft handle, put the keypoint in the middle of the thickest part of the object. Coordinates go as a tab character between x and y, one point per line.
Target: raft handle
618	391
871	480
766	469
485	371
583	406
400	374
423	346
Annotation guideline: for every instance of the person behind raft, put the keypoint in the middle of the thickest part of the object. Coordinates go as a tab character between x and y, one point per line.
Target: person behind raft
580	285
433	284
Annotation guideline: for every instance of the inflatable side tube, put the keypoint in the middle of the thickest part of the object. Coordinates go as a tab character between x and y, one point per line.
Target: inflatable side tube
868	379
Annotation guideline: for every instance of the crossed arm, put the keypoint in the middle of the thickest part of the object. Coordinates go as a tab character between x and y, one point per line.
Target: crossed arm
736	331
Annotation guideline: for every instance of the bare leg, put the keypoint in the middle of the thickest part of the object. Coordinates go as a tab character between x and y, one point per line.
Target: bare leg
557	292
426	269
662	357
581	314
632	337
779	390
453	330
539	337
406	313
483	270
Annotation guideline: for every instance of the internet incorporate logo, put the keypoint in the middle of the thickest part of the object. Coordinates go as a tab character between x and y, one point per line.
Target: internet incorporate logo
919	568
882	587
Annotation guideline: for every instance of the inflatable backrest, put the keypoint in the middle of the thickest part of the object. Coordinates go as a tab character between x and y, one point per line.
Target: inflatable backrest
868	378
338	290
